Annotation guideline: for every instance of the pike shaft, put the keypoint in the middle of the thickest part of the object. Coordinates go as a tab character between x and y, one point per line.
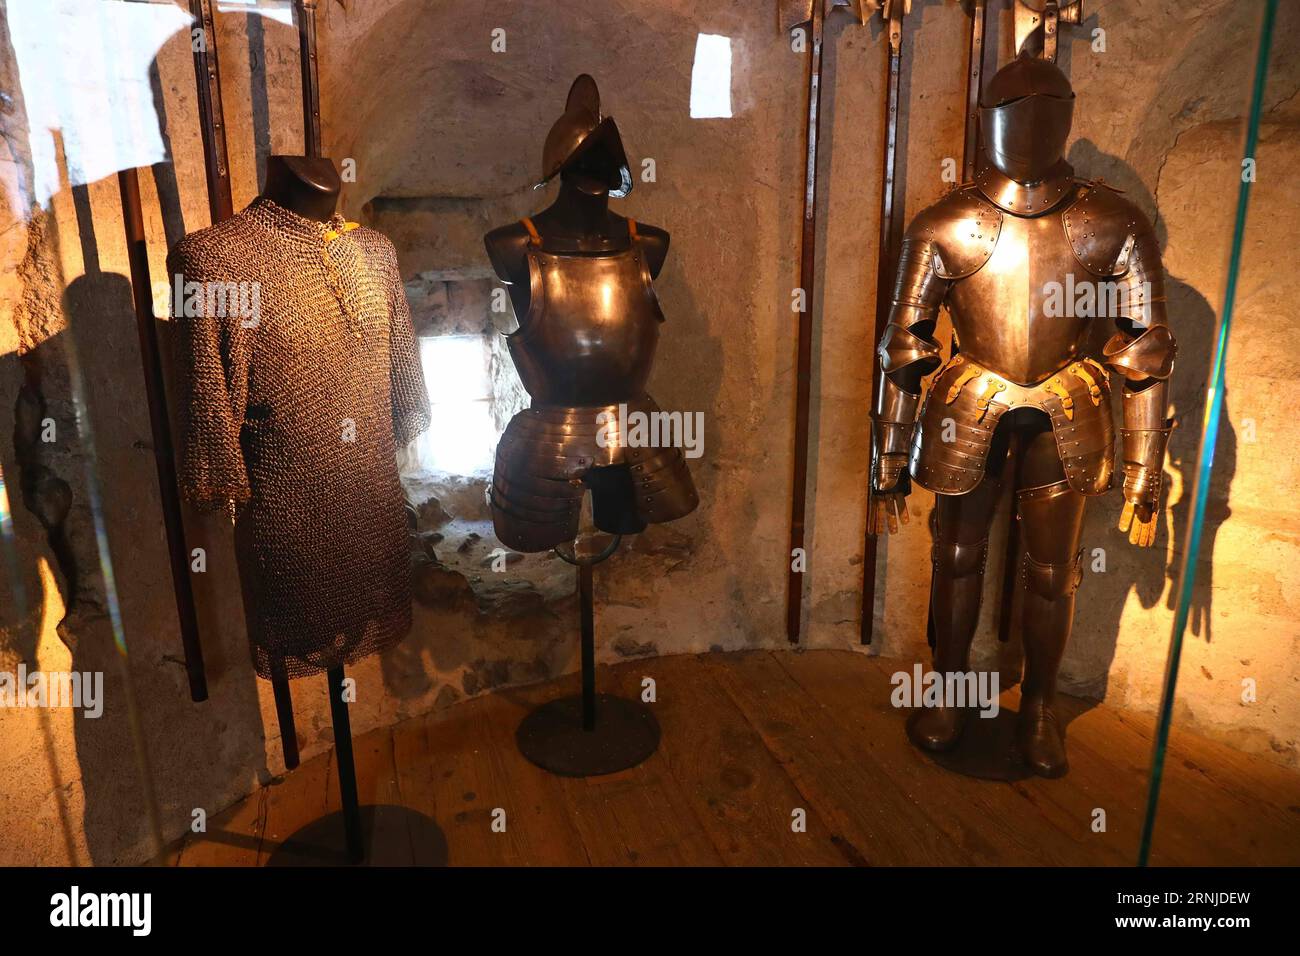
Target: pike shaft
207	77
803	366
886	263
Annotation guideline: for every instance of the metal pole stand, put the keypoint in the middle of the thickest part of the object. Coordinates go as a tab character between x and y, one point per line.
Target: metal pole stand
346	766
378	834
590	734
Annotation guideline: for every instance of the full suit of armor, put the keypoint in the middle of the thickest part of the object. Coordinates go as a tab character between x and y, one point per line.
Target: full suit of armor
1024	259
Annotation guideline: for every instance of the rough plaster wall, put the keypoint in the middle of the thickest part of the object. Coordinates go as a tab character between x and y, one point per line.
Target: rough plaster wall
447	136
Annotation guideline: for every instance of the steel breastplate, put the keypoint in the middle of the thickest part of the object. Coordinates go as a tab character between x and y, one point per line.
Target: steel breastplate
1019	315
591	328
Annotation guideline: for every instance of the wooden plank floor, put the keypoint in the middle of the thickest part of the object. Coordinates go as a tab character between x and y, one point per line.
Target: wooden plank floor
751	742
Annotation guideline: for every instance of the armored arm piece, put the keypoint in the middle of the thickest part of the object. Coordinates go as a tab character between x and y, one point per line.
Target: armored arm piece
1143	352
907	353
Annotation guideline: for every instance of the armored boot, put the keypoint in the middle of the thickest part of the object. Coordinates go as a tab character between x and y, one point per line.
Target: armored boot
960	551
1052	517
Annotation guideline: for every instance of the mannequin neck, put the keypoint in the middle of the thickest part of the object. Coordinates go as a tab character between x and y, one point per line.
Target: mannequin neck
580	210
306	185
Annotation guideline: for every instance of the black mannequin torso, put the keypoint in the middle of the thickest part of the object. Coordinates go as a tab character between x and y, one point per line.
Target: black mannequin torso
306	185
579	221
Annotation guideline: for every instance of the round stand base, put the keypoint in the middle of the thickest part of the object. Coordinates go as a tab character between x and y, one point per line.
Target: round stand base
552	737
392	835
987	749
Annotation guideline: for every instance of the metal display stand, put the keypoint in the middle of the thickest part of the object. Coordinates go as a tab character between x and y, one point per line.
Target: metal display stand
589	734
375	834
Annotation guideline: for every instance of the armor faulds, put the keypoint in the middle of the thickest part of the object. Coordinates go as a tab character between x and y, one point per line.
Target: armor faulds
583	351
1024	258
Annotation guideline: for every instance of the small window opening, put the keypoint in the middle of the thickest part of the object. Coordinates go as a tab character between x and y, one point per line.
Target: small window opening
711	77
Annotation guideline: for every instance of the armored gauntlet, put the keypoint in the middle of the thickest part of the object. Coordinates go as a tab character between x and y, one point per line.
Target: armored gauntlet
891	433
905	358
1145	360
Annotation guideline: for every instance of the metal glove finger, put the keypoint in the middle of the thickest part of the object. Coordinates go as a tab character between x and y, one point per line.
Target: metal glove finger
1126	516
901	504
890	516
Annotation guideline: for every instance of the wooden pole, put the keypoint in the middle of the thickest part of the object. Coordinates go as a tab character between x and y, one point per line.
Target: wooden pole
886	266
164	454
803	359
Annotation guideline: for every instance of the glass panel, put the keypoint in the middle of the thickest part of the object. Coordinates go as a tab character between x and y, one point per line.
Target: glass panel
451	131
1225	764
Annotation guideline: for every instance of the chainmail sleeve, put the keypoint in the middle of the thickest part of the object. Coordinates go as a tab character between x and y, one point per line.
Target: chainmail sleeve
410	397
214	351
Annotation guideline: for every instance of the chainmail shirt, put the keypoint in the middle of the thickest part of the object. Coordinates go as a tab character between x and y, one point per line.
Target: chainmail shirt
291	416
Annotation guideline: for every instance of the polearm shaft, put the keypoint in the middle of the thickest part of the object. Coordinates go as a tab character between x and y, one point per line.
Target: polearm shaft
969	167
207	76
974	87
217	172
886	265
803	361
310	77
164	455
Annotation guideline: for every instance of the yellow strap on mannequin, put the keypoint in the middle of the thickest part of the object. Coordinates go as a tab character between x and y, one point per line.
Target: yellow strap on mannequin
534	237
631	229
332	234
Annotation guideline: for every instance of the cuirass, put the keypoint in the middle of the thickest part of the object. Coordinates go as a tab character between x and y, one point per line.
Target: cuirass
583	351
1016	315
591	328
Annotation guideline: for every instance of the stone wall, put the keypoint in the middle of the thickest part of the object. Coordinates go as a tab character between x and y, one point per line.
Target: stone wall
446	136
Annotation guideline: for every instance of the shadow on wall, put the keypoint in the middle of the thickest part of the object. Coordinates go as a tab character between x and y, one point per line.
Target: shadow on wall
52	496
1192	319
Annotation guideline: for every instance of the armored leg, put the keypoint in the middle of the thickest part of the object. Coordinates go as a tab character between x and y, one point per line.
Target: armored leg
1051	521
960	550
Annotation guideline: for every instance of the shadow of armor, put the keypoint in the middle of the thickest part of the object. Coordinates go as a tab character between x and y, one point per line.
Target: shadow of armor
1024	258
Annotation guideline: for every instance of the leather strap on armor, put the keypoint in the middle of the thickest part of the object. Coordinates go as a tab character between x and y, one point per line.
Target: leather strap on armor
535	237
1057	388
1091	374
